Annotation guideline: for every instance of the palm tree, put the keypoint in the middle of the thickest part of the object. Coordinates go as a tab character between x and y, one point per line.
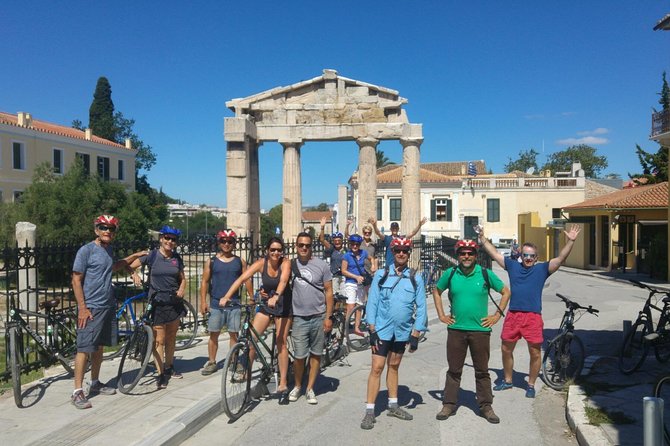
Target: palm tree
382	160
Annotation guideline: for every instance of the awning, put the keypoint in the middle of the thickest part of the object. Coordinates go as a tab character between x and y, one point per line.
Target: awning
653	222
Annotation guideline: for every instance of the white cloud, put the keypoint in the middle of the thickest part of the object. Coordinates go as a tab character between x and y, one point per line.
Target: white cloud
598	131
590	140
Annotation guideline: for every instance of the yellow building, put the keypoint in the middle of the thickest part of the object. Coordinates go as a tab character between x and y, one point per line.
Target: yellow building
26	143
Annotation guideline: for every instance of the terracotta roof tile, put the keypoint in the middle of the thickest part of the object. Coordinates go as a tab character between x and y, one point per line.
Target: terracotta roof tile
55	129
317	215
643	197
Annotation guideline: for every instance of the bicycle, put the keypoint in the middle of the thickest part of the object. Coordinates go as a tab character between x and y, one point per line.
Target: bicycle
137	352
564	356
59	344
357	334
432	274
642	334
334	340
662	390
238	373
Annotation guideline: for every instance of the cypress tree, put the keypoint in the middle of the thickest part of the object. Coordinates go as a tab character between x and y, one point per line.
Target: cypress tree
101	113
665	94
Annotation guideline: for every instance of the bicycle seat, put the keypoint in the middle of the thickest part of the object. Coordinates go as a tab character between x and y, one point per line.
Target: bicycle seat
339	298
666	299
49	304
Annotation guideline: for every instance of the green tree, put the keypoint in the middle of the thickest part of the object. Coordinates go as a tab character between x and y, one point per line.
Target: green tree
271	221
199	223
526	160
322	207
145	158
664	99
382	160
101	112
592	163
654	166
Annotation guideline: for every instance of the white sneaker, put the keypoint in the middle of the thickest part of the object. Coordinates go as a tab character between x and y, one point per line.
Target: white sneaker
311	398
294	395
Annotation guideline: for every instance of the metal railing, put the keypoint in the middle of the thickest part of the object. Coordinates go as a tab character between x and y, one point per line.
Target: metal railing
660	122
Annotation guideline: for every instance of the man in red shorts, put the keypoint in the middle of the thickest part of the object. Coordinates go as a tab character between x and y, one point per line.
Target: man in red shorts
524	318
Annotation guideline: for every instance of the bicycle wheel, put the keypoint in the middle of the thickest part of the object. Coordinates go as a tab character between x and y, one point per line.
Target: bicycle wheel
662	344
563	360
16	360
634	349
135	358
333	346
188	328
235	381
662	390
357	341
124	331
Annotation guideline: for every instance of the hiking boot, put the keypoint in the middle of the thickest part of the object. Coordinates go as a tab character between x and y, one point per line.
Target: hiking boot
530	392
368	420
79	400
502	385
170	372
294	394
490	415
311	397
100	389
399	413
209	368
447	411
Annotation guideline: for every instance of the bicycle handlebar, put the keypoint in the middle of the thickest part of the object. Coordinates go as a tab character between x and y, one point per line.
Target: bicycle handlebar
575	306
651	289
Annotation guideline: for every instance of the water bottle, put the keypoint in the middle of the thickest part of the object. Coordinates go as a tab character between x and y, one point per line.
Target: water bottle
477	229
50	331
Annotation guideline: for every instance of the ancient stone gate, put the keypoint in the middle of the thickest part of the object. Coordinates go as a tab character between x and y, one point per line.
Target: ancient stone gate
326	108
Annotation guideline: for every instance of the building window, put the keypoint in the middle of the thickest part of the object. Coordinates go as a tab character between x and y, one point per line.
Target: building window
17	195
556	213
122	175
58	161
379	209
19	156
493	209
103	168
85	159
395	209
440	209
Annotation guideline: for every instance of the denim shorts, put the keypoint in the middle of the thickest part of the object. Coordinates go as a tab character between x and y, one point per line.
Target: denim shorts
100	330
220	317
307	334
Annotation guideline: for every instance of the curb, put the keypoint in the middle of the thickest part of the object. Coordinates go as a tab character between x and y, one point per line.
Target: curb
586	434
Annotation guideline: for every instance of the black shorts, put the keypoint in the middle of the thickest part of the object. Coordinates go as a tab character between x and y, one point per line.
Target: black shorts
284	308
385	347
98	331
165	313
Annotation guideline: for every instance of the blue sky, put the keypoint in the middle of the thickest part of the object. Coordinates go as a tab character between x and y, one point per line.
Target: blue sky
486	79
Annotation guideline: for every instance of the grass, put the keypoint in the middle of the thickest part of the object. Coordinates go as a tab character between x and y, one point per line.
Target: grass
598	416
6	386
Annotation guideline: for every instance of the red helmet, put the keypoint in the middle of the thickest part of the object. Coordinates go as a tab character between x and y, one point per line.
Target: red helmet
401	242
226	233
470	244
106	220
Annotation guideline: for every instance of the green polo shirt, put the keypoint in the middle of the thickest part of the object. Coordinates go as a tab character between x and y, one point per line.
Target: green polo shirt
469	297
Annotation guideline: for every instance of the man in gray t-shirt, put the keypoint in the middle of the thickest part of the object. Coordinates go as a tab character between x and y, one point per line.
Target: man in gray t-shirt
312	309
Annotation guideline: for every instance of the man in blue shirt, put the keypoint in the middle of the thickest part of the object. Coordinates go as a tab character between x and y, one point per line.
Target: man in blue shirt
395	229
394	295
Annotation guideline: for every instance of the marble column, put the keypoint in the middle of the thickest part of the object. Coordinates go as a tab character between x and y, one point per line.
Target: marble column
292	190
367	179
411	188
242	189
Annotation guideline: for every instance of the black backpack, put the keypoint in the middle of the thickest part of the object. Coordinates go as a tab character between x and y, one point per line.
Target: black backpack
485	273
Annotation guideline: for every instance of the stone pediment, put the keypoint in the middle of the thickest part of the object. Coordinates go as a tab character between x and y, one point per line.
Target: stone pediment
329	99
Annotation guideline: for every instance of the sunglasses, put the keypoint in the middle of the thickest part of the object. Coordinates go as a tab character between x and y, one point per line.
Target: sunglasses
354	244
367	233
170	239
276	250
105	228
304	245
401	251
227	241
528	256
466	253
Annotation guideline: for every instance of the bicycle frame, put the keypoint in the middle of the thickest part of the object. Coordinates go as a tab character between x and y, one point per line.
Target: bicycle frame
127	304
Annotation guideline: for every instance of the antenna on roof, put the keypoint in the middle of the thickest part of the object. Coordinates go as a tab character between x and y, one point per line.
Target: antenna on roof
530	170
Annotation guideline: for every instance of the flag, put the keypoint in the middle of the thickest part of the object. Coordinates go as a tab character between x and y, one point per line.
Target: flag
472	169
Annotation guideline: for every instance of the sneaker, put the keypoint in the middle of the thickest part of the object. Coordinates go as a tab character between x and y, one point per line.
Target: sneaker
490	415
311	397
79	400
502	385
100	389
294	394
209	368
161	381
399	413
170	372
530	392
368	420
447	411
283	397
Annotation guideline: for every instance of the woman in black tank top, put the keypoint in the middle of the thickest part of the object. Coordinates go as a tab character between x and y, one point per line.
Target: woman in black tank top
275	272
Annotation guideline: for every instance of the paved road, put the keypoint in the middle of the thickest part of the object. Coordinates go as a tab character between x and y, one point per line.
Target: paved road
524	422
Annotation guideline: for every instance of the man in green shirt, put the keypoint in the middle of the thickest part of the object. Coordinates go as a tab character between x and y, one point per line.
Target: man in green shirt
469	326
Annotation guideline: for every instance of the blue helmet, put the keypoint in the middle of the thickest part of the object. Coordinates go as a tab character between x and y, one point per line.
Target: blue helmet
169	230
355	238
337	235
